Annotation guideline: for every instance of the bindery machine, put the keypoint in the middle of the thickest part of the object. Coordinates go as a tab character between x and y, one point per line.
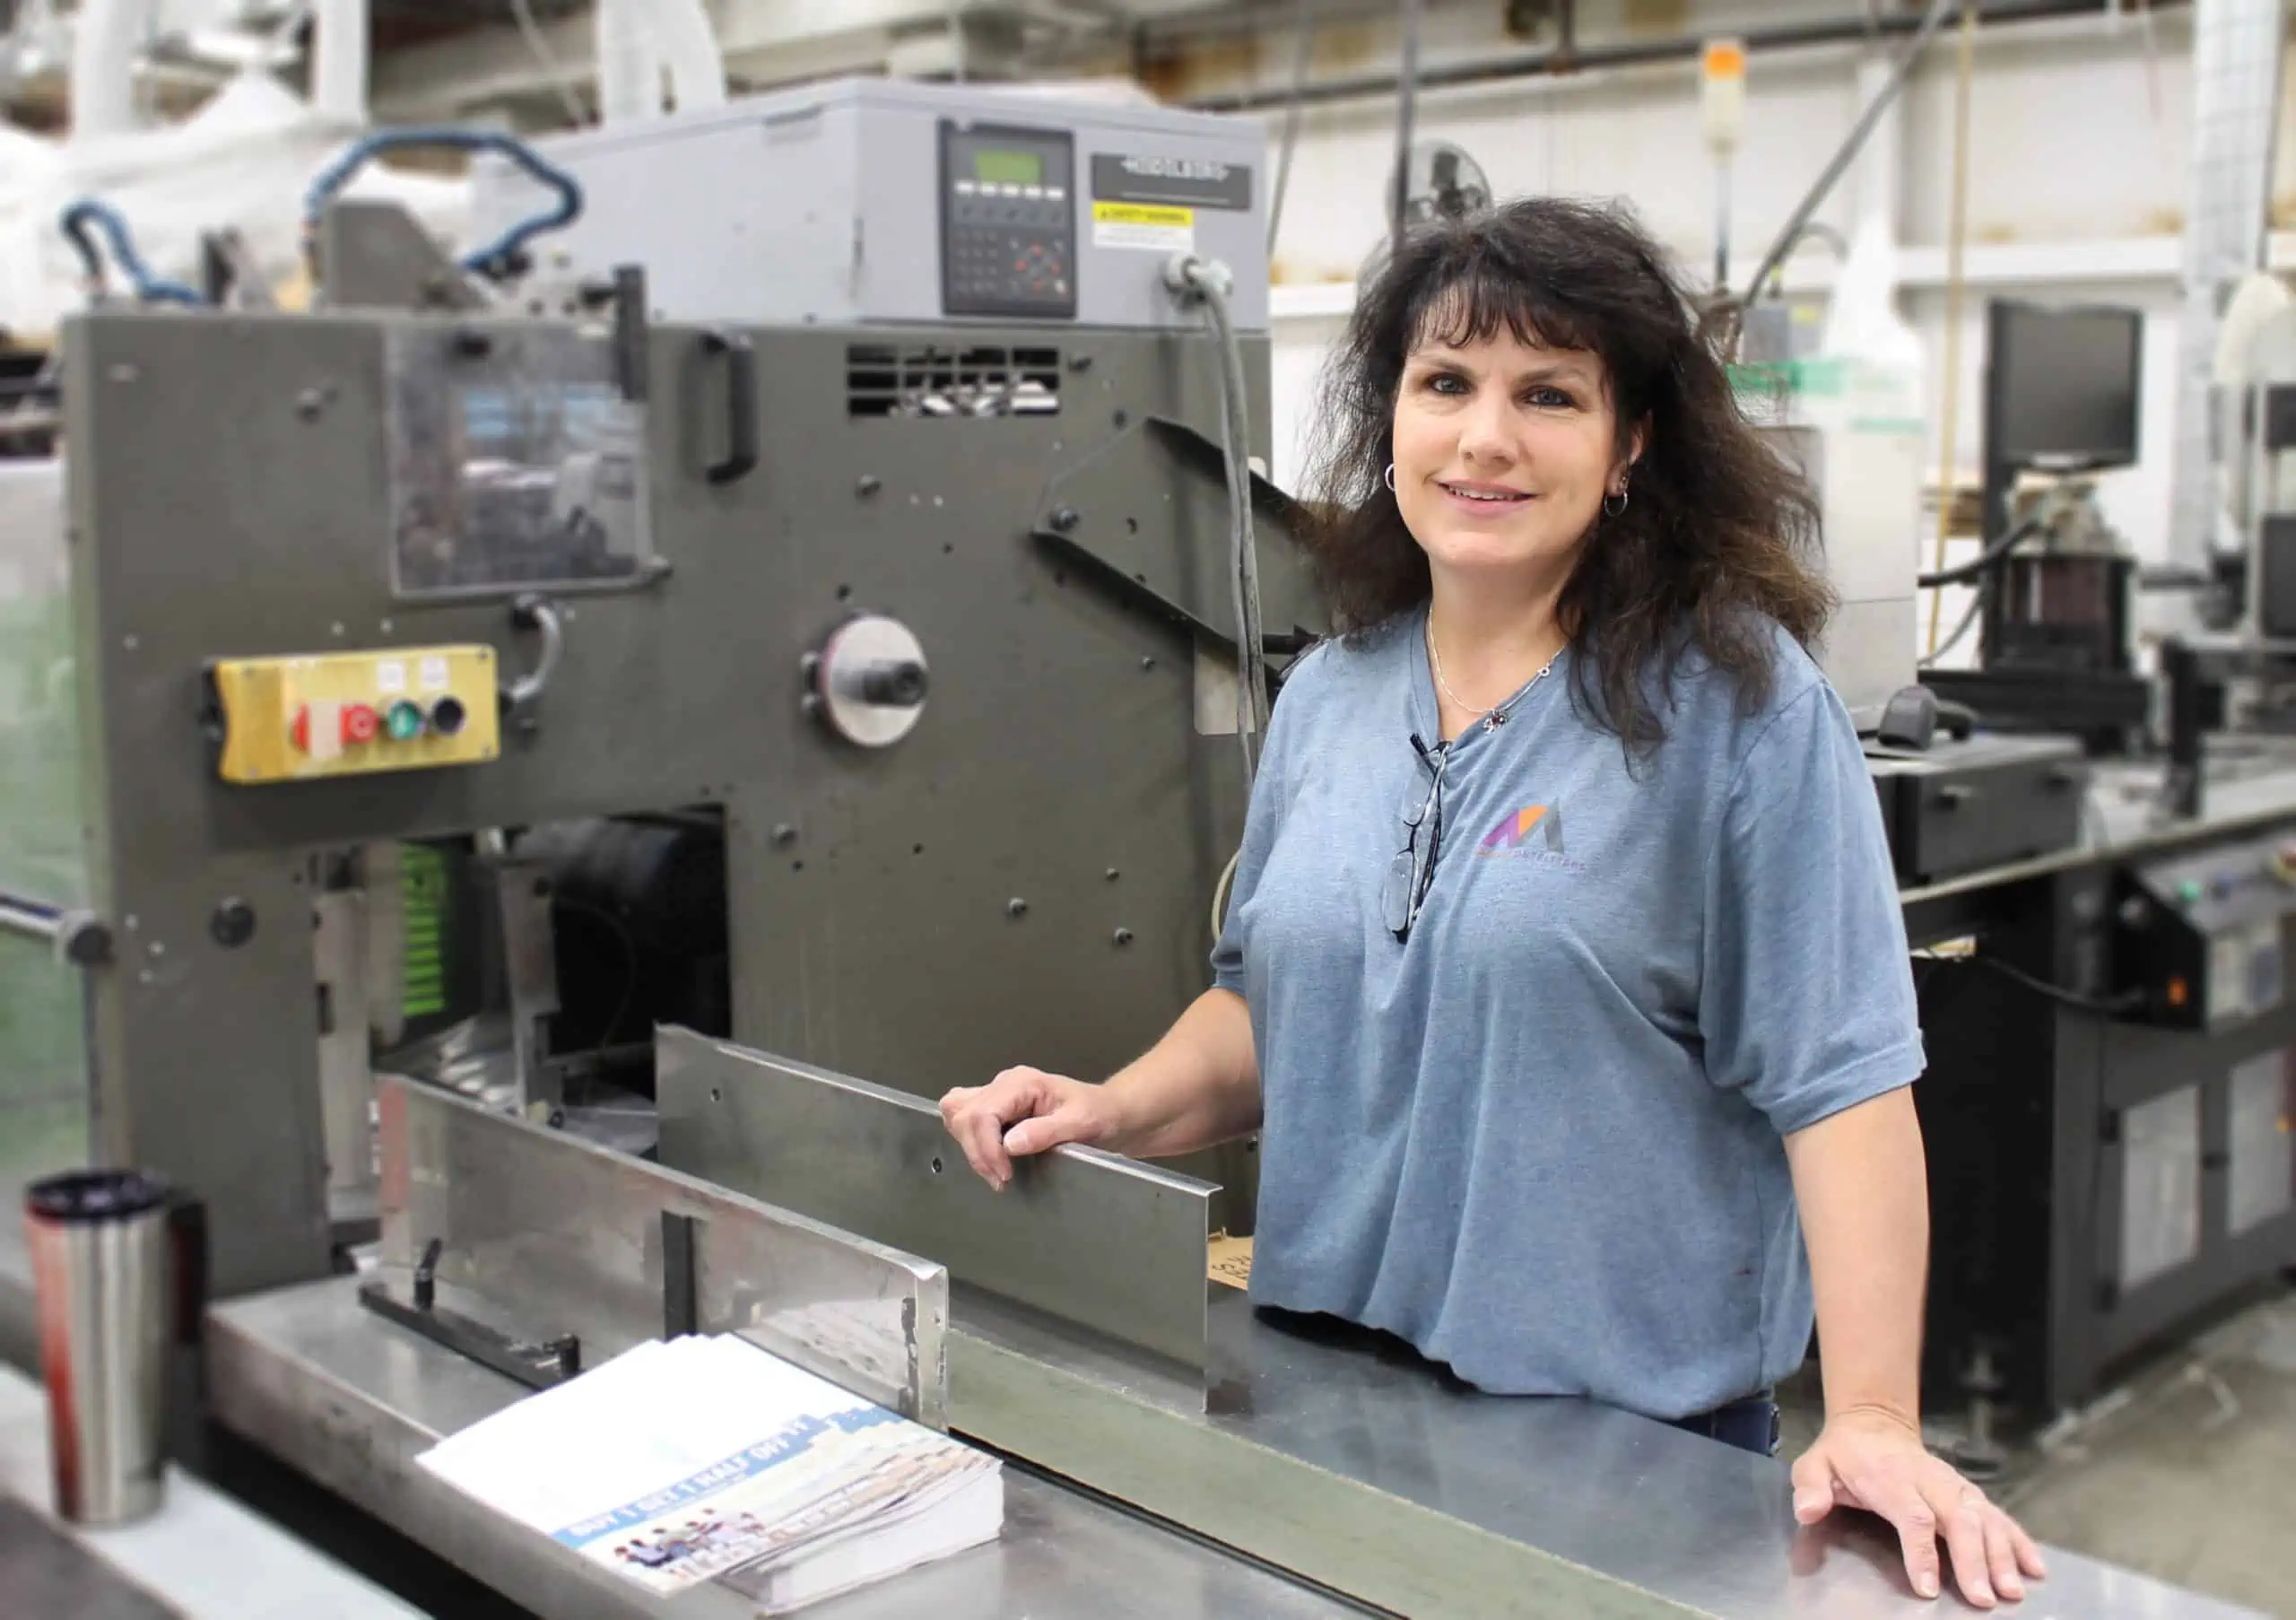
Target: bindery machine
524	779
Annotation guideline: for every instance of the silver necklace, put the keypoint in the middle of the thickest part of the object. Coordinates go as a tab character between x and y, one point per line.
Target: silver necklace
1494	716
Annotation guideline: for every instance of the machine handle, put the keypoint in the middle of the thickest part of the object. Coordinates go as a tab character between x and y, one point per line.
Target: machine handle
30	918
536	612
740	404
188	1238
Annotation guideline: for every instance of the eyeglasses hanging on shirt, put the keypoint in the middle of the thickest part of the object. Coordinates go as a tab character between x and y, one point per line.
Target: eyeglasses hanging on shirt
1412	872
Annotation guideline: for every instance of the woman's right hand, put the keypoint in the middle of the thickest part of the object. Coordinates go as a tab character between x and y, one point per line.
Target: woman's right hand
1023	1111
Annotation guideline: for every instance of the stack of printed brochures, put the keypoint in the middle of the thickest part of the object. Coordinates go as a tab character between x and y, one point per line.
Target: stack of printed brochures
705	1459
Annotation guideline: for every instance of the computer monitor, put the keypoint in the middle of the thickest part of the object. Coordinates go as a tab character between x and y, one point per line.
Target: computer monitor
2061	386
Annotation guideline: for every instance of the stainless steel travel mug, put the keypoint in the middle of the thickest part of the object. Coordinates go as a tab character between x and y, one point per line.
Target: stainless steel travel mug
109	1286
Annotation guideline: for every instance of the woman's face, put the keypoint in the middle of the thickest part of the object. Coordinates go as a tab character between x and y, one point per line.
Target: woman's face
1503	452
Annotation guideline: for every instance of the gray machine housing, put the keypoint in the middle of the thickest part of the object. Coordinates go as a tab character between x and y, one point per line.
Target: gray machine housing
840	203
1024	877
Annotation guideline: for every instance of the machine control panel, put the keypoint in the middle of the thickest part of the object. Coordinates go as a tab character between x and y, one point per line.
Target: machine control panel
355	713
2203	935
1008	220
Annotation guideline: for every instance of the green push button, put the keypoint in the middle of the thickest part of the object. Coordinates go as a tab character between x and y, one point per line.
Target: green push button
404	721
2189	891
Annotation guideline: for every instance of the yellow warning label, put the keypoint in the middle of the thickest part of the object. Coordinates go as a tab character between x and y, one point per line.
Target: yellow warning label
1157	225
1142	214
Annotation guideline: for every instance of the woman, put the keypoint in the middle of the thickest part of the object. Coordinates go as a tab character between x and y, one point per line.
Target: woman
1563	973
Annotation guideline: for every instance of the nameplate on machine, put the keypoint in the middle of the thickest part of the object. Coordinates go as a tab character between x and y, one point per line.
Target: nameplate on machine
1160	178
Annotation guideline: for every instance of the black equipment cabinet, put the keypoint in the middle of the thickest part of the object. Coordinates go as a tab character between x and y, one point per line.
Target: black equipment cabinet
2100	1177
1980	802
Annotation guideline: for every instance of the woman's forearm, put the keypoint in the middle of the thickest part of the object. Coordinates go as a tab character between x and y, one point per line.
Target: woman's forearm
1196	1088
1860	1180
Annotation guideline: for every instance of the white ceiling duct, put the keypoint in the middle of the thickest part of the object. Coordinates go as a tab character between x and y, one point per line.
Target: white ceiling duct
640	41
105	39
339	61
758	43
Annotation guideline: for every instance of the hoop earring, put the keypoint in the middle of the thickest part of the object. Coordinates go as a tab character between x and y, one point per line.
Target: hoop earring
1388	478
1614	511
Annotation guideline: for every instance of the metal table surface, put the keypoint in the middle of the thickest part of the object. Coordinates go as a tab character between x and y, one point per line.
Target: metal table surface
203	1555
1675	1514
351	1400
1672	1518
44	1573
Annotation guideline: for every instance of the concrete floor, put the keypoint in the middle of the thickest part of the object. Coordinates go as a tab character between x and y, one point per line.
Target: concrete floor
2186	1470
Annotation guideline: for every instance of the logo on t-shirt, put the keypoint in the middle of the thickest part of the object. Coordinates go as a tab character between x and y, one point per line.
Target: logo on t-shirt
1514	832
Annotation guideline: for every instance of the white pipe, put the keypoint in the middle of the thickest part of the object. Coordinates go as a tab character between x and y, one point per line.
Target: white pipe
690	45
339	61
1873	188
104	40
630	72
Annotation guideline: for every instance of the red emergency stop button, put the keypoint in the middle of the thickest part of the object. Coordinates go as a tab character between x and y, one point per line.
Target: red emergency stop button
298	729
360	724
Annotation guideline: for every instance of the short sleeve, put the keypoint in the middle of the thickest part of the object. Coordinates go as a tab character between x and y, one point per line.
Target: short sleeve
1806	1005
1263	821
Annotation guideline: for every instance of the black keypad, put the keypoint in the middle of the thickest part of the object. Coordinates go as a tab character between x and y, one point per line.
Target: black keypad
1008	246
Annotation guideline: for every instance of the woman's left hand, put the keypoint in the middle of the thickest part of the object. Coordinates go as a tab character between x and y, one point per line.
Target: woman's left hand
1875	1461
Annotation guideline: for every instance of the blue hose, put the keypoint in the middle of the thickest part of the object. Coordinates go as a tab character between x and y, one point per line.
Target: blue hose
151	289
492	257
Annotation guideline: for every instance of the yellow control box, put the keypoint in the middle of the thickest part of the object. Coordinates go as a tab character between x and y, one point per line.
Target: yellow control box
354	713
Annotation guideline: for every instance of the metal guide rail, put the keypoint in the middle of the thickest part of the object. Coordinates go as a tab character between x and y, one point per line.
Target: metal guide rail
1110	1246
514	1235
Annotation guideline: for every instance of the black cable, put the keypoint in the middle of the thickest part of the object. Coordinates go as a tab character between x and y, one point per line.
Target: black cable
1304	27
2128	1001
1969	617
1900	71
1406	111
1961	573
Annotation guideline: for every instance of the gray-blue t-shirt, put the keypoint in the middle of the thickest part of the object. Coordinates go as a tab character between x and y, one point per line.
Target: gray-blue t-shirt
1541	1139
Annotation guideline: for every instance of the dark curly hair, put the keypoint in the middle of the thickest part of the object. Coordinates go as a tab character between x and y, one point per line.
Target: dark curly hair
1719	539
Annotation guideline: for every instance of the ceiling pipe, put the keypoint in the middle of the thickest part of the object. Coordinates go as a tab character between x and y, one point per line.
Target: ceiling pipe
1576	57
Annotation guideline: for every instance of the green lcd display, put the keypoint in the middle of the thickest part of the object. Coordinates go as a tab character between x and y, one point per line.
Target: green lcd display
1009	168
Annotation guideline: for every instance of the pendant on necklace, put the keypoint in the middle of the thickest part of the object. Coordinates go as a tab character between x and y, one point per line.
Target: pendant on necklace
1494	721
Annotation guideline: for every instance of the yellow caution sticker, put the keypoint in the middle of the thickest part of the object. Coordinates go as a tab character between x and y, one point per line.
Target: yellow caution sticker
1157	226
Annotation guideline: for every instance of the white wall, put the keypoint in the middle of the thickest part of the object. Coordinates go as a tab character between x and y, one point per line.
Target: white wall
2079	140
